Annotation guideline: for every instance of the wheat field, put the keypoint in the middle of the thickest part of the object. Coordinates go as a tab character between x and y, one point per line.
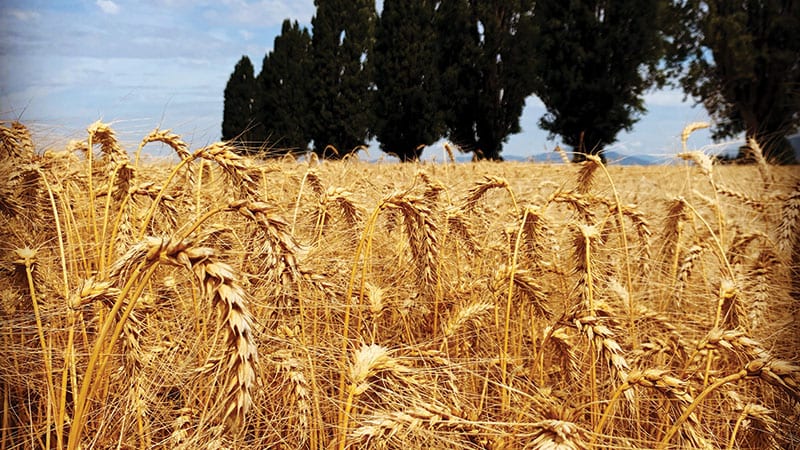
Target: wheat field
214	301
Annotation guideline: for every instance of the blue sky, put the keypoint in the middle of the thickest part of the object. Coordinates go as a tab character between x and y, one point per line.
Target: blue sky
143	64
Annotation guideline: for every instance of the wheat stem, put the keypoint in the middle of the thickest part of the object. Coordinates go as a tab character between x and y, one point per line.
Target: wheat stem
27	261
736	427
149	215
90	178
78	418
507	322
368	231
692	406
61	416
624	235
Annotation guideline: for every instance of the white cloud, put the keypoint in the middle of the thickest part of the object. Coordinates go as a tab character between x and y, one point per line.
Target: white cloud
23	16
108	6
666	97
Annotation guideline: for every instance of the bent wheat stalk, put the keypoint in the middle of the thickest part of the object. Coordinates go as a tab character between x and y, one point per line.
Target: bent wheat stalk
218	285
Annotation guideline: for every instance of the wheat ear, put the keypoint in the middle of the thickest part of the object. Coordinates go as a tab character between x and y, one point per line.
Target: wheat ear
776	372
422	235
562	154
15	141
370	361
558	434
689	129
482	187
763	166
789	228
659	380
219	286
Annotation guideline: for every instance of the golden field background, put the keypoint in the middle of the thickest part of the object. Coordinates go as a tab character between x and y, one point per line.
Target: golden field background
217	301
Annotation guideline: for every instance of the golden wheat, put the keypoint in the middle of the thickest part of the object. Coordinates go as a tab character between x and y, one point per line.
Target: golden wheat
172	304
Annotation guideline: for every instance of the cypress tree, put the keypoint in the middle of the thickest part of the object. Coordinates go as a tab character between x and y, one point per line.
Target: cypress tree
744	66
237	114
404	60
596	59
342	38
486	57
458	53
283	103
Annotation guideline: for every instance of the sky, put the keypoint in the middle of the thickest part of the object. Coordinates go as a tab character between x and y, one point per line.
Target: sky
164	63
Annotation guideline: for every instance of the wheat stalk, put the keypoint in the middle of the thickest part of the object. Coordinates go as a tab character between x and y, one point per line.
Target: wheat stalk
586	174
659	380
789	228
562	154
558	435
758	205
102	133
759	419
778	373
16	142
763	165
471	313
433	189
701	160
759	282
344	200
457	224
383	427
580	203
685	270
219	286
527	289
295	370
370	361
279	248
241	170
422	235
689	129
449	149
167	137
480	189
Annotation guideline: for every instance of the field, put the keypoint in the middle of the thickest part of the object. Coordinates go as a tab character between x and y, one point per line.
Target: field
216	301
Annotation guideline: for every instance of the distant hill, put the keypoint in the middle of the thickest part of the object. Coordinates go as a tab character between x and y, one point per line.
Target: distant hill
612	157
554	158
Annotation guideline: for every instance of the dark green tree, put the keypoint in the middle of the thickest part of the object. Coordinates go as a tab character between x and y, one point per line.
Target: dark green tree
283	103
237	113
486	61
458	55
404	60
744	66
342	39
596	58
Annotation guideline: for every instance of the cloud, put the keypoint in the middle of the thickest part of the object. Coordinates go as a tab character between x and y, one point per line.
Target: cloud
666	97
108	6
23	16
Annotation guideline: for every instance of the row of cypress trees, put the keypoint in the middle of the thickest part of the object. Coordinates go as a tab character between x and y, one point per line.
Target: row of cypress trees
462	69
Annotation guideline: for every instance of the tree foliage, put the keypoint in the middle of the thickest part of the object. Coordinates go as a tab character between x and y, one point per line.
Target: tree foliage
486	57
342	39
744	66
407	113
283	103
596	59
237	114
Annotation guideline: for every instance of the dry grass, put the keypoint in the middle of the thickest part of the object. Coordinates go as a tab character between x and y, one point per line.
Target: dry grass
225	302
